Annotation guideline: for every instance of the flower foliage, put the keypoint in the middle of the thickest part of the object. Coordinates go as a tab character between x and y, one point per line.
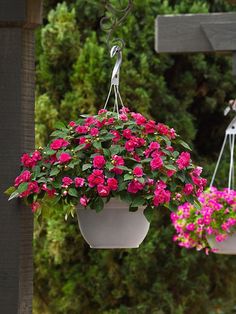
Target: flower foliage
109	155
216	217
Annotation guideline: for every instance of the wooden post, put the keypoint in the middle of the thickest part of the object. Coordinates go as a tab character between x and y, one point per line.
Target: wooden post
18	19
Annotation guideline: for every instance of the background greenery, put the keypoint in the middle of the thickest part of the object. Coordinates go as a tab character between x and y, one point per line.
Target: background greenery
189	93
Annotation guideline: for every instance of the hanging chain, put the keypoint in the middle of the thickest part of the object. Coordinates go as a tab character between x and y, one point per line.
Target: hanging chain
109	23
115	18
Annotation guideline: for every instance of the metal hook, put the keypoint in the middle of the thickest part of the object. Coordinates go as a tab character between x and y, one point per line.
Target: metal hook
115	78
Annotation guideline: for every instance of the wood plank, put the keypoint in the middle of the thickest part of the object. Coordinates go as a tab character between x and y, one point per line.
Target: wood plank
183	33
222	35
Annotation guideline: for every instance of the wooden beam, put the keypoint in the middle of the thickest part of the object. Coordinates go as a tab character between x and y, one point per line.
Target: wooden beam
16	136
184	32
222	35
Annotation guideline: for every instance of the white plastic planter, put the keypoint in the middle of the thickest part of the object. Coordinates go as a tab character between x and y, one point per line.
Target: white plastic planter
226	247
113	227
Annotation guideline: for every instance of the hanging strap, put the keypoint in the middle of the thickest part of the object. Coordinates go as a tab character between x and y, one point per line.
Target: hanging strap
231	133
115	79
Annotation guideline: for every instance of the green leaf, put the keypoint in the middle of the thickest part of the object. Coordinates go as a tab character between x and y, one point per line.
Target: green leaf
171	167
99	204
138	201
73	192
54	171
175	154
147	160
126	197
197	204
22	187
97	145
128	177
79	147
108	137
115	149
185	145
86	166
59	125
106	152
13	195
109	166
133	209
123	168
49	151
141	180
58	134
10	190
148	213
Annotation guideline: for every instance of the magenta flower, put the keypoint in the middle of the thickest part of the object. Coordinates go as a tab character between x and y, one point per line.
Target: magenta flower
64	158
99	161
58	143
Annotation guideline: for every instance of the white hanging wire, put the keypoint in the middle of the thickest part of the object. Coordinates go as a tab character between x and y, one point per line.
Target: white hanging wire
230	132
115	80
218	161
231	168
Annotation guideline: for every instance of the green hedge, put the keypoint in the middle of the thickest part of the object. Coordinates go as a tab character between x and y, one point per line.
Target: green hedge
189	93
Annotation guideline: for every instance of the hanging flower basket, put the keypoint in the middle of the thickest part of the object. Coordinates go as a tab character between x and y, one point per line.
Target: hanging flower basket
107	156
211	226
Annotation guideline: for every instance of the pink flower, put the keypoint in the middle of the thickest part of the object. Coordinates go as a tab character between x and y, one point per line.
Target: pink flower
110	121
84	201
127	133
81	129
33	187
79	182
170	149
130	145
36	156
172	133
221	237
150	127
154	145
23	177
116	137
170	173
183	161
118	160
190	227
162	129
94	131
123	117
99	161
66	181
90	120
156	163
58	143
135	186
139	119
112	184
161	197
138	171
103	190
188	189
27	161
96	178
72	124
101	111
64	157
35	206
